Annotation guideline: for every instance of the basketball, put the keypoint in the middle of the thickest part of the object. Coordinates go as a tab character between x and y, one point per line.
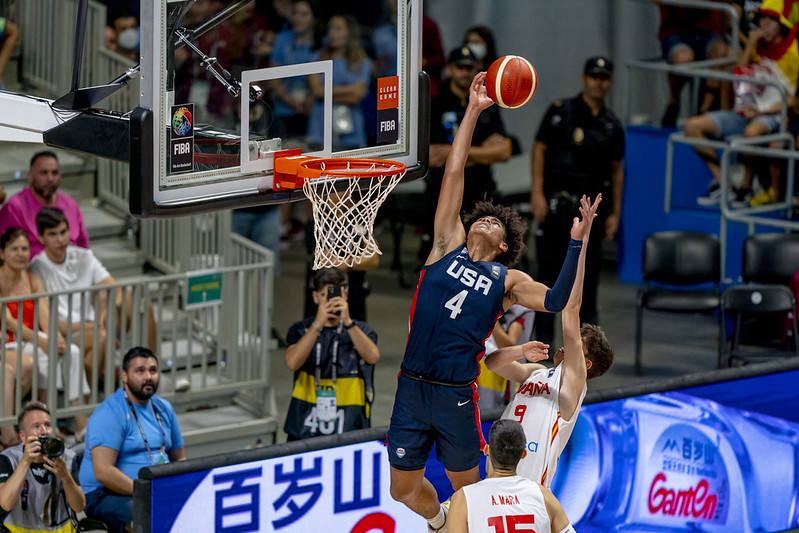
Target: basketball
511	81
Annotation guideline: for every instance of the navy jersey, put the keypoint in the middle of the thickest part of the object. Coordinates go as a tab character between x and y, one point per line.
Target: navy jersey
456	305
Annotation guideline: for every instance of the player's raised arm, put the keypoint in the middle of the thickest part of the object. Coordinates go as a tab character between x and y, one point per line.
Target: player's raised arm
521	289
449	231
575	371
504	361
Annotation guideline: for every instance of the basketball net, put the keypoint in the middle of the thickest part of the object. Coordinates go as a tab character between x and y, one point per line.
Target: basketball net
344	212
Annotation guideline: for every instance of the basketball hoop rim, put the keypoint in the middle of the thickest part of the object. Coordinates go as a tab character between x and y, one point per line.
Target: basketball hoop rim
349	167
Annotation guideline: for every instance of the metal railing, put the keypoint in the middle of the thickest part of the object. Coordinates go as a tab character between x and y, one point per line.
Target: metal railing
222	348
699	70
186	243
47	65
659	64
113	177
48	32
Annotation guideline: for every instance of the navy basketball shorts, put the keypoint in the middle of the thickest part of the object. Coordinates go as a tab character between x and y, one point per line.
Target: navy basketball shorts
425	413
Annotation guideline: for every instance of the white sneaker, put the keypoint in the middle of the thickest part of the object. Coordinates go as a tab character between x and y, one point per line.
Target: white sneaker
712	197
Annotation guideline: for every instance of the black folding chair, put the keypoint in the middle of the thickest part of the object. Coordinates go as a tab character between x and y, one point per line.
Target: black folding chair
679	258
746	302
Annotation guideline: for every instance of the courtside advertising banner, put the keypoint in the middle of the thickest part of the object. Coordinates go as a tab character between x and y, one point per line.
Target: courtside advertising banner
343	489
719	457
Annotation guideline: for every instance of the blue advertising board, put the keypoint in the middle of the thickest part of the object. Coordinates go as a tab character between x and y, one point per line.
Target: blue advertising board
716	457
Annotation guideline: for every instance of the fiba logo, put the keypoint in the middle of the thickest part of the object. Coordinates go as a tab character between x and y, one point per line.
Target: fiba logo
181	121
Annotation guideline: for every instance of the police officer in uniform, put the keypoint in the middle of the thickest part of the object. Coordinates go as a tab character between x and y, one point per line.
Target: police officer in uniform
578	150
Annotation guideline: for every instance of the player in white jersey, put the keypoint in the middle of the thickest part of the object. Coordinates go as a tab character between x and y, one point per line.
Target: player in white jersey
549	399
505	501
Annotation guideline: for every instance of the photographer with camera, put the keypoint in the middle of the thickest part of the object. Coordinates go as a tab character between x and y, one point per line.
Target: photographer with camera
38	478
332	357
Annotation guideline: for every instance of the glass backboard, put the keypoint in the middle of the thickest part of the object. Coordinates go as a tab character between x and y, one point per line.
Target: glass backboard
229	83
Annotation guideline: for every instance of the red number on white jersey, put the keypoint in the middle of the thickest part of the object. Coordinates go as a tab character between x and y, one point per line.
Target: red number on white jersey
508	523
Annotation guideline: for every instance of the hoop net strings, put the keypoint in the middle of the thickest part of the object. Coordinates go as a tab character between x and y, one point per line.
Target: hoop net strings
344	219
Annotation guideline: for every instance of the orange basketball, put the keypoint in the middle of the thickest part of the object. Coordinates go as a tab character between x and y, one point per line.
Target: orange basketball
511	81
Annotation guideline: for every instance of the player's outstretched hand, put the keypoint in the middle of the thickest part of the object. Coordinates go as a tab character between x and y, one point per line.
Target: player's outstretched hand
477	93
581	228
535	351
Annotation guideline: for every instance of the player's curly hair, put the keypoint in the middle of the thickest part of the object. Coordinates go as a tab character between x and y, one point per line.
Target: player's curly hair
515	229
598	349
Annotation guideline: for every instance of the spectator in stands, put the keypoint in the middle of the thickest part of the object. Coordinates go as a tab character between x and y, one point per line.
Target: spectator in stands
514	327
481	40
292	105
9	35
332	357
44	178
62	267
771	46
433	58
38	492
686	35
126	34
15	280
131	429
384	42
299	44
351	75
490	143
579	149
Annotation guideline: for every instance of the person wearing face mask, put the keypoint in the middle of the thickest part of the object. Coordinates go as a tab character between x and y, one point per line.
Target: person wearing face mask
480	39
131	429
126	32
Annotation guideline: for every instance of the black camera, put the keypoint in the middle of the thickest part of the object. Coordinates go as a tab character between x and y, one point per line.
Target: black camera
51	446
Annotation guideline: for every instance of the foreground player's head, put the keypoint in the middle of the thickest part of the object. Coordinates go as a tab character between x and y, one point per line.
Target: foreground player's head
596	348
506	447
500	226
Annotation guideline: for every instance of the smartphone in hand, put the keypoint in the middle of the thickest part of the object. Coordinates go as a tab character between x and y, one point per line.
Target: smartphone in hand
332	292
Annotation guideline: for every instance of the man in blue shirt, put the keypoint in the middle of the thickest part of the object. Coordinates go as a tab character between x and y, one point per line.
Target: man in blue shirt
131	429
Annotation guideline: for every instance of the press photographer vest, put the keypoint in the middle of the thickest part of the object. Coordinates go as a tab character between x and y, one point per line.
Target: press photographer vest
35	510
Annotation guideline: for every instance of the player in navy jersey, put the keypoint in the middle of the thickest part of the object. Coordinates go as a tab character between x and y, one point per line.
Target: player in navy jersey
463	289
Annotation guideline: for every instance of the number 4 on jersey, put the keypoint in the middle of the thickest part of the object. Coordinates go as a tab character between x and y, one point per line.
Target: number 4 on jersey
455	303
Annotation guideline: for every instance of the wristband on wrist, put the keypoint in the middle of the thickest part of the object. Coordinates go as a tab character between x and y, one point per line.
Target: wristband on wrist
316	326
352	325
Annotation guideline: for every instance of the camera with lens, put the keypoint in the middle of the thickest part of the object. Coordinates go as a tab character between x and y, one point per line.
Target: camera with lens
51	446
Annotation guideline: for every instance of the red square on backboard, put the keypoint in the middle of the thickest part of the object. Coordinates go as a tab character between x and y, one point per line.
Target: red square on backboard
388	92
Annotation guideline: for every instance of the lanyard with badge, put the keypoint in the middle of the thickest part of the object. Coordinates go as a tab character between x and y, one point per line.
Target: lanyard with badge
326	397
162	451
